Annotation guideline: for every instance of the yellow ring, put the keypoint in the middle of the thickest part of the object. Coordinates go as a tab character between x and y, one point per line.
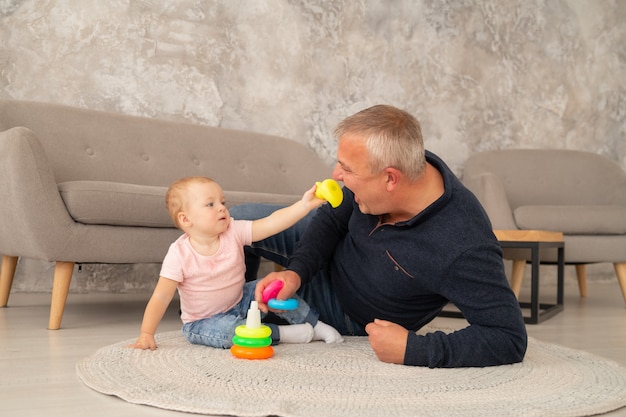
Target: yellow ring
330	191
253	333
251	353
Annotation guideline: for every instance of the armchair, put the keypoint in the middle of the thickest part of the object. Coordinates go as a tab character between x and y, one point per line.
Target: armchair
578	193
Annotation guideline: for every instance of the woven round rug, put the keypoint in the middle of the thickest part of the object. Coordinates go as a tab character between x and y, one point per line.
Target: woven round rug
346	379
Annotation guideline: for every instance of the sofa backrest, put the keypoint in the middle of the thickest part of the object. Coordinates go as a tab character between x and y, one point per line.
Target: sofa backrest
552	176
92	145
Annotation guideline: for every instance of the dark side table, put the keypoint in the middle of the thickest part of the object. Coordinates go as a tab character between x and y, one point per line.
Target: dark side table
534	241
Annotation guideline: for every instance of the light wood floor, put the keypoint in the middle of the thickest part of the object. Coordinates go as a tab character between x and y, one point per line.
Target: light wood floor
37	365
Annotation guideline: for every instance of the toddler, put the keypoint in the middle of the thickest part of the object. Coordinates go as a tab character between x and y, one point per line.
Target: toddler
206	265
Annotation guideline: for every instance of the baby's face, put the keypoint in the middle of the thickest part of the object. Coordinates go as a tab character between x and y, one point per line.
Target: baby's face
206	209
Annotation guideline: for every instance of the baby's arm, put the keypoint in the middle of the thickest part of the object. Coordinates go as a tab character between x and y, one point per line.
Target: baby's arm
160	300
286	217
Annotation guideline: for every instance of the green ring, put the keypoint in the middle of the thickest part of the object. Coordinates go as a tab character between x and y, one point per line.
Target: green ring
252	342
253	333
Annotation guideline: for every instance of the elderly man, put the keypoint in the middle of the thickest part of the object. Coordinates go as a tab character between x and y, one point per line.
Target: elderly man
407	239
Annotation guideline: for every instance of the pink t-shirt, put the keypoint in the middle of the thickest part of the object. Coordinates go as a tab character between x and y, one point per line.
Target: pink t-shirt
209	285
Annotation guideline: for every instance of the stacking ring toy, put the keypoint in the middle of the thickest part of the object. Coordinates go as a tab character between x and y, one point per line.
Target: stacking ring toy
272	290
243	352
288	304
252	343
330	191
253	333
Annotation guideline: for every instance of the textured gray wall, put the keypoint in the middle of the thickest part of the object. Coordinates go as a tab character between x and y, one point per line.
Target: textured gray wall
478	74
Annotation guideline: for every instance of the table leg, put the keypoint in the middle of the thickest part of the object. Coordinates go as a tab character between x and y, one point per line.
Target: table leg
560	270
534	289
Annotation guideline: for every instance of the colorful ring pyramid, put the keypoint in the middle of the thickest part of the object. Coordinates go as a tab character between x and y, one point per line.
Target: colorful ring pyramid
252	340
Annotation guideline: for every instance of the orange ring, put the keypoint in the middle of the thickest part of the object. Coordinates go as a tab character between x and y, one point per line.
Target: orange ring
251	353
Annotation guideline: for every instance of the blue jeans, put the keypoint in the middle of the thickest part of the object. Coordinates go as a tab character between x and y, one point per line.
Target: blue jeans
318	293
218	330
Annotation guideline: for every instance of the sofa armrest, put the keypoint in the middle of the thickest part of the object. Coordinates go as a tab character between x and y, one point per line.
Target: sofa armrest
490	192
34	218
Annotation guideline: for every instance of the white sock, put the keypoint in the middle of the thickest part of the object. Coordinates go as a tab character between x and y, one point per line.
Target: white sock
327	333
296	333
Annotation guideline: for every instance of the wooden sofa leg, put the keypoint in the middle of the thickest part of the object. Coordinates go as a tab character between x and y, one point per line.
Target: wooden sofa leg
581	273
9	263
517	275
620	271
60	288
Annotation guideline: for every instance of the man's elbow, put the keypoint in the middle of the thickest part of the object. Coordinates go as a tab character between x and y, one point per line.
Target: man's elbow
519	344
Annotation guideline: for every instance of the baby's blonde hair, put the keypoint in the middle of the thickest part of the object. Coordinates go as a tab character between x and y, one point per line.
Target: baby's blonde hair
177	195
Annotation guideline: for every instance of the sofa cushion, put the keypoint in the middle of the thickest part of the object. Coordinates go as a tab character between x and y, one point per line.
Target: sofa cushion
120	204
573	220
113	203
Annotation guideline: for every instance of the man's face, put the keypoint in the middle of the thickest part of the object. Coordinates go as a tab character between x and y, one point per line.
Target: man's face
353	170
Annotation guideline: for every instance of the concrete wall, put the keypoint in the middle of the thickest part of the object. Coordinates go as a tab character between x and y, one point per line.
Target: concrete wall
479	75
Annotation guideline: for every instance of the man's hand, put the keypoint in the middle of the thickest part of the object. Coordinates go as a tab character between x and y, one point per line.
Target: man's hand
291	284
388	340
144	341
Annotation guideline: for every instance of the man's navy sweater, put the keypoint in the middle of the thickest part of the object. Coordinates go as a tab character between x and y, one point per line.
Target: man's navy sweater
407	272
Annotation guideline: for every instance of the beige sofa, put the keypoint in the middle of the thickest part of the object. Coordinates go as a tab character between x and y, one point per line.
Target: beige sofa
82	186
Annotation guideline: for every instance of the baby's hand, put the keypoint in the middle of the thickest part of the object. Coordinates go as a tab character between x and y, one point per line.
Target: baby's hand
330	191
310	200
144	341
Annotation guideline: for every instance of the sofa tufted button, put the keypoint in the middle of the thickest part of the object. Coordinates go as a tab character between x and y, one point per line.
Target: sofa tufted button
145	157
196	162
89	151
